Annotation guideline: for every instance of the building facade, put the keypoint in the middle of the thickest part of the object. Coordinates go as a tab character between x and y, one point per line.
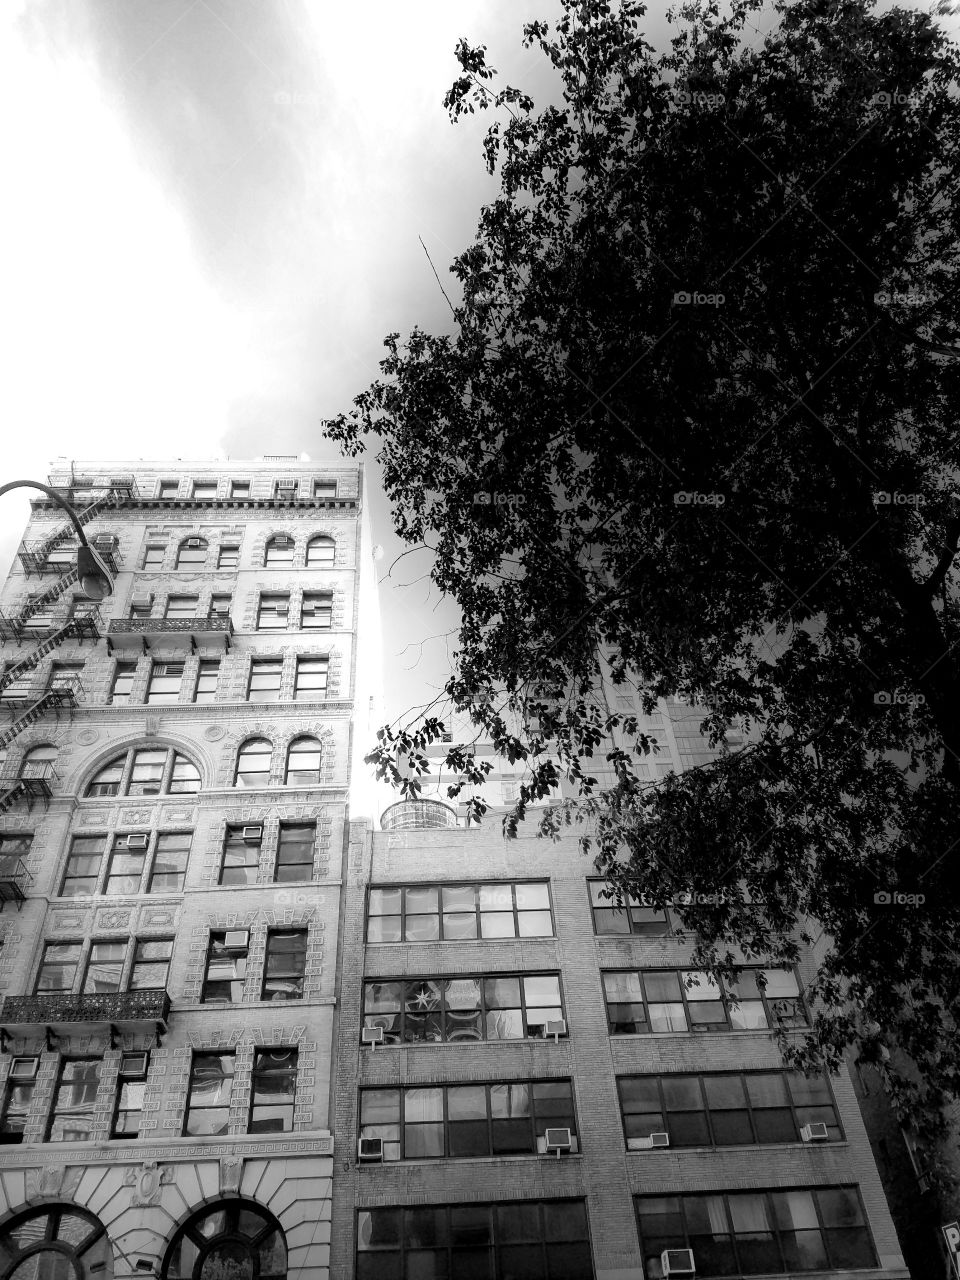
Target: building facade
172	816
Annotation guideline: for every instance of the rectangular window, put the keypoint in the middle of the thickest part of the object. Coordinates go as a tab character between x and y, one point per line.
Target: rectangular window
128	857
285	489
64	675
467	1120
510	1006
241	855
220	605
453	912
265	677
324	488
285	964
146	774
153	557
634	917
226	967
205	489
72	1117
523	1238
104	967
295	851
208	1098
228	557
131	1085
13	847
274	1091
19	688
316	613
151	964
688	1000
124	674
169	488
273	612
83	866
208	673
240	489
165	680
181	606
311	681
42	620
725	1109
749	1232
141	609
17	1101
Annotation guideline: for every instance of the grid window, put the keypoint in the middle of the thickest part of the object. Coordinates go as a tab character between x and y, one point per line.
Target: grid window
254	760
58	968
529	1238
285	964
689	1000
295	851
124	674
169	488
204	488
165	681
320	553
145	772
316	612
208	673
431	1010
228	556
13	847
324	488
278	553
64	553
274	1091
241	855
311	680
126	864
192	553
153	557
104	967
15	1112
220	603
285	489
208	1098
749	1232
303	763
184	776
273	612
240	489
451	912
151	964
725	1108
226	968
170	862
265	678
83	866
467	1120
72	1116
131	1085
141	608
38	762
182	606
634	917
64	675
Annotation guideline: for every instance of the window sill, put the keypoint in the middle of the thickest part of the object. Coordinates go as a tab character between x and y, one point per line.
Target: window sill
740	1146
429	942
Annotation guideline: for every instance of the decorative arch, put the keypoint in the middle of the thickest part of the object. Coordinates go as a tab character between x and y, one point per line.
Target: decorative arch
132	773
230	1239
281	737
54	1242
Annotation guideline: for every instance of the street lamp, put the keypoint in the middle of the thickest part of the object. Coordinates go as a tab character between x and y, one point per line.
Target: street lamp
96	581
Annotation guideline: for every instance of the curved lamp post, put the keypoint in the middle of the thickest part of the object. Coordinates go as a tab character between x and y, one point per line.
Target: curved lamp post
96	581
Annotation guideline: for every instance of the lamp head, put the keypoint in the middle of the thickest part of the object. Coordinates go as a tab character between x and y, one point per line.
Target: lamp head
95	580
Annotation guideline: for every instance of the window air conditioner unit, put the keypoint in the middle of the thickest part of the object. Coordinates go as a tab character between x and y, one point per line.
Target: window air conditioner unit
194	542
556	1029
371	1035
136	842
24	1068
134	1065
235	938
252	835
282	610
659	1139
678	1262
557	1140
141	602
370	1149
816	1132
282	540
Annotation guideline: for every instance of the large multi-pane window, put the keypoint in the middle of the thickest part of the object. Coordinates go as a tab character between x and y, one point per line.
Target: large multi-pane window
725	1108
124	674
278	553
253	763
285	964
295	851
170	854
265	678
241	855
311	680
104	966
162	857
509	1006
273	612
316	611
192	553
633	917
73	1114
84	863
451	912
164	683
685	999
747	1233
110	965
447	1121
145	771
320	552
208	673
208	1097
151	964
182	606
18	1099
521	1238
303	763
273	1092
131	1086
126	864
226	967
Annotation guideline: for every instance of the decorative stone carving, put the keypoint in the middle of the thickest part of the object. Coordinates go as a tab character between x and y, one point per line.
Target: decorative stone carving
214	733
146	1180
88	737
231	1171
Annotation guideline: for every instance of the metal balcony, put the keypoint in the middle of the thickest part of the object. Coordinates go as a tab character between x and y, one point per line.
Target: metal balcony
408	815
101	1011
135	633
34	782
15	879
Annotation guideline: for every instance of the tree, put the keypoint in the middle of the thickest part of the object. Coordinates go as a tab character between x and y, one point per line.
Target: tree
705	361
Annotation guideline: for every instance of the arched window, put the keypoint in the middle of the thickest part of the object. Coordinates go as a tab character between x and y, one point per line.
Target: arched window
232	1240
145	771
192	553
278	553
55	1242
303	763
38	762
253	763
320	551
